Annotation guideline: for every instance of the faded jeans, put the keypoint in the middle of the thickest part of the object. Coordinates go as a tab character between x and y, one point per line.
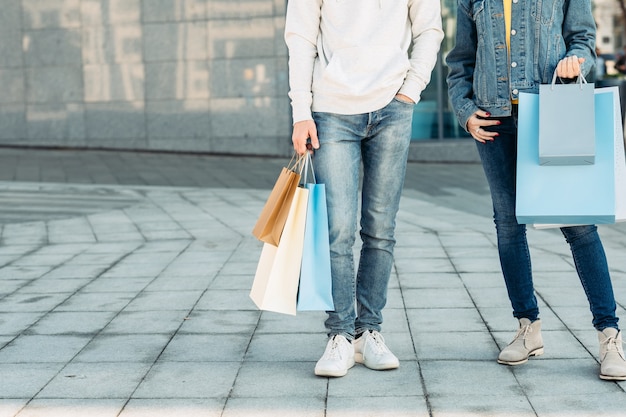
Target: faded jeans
499	163
379	141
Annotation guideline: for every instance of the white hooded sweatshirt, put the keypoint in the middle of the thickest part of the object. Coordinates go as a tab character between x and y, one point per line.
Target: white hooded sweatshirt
354	56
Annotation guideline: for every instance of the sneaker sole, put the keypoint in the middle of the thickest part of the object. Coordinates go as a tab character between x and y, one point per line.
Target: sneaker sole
358	358
613	378
536	352
333	373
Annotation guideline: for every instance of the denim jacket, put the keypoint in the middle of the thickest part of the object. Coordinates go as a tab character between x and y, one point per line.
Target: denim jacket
481	75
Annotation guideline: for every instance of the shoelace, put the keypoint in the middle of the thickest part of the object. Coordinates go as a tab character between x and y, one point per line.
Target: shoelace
612	344
333	352
523	332
379	343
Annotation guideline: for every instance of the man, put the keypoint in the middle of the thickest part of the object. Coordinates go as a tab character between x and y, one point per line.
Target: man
356	69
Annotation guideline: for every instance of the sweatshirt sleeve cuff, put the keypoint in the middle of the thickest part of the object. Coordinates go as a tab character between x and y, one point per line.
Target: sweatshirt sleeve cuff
301	112
412	89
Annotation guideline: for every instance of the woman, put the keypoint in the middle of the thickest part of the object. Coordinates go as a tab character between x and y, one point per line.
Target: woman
504	47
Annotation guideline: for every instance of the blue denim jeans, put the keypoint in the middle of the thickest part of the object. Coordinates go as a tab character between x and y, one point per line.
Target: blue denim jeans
499	163
379	141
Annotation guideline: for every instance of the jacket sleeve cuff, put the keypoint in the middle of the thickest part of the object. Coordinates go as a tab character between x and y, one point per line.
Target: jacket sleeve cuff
465	113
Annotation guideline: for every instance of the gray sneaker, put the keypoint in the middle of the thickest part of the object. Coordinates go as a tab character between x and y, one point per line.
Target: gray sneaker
371	351
337	358
612	359
526	343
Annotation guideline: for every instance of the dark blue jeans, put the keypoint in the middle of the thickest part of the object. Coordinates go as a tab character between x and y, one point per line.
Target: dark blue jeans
499	163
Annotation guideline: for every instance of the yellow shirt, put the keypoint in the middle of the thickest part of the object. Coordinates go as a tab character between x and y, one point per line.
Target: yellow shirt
507	23
507	29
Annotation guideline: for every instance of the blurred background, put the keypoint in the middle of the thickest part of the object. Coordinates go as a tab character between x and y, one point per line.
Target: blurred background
200	76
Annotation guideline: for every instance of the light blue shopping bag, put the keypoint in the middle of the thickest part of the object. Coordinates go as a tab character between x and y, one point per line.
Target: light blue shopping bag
315	289
570	194
566	123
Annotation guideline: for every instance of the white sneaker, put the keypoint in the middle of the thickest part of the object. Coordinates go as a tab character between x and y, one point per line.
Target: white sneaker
371	351
337	358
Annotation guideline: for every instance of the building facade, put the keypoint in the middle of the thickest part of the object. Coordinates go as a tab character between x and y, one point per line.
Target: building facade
171	75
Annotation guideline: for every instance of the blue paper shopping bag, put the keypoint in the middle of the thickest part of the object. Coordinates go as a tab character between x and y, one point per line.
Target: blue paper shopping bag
566	123
569	194
315	289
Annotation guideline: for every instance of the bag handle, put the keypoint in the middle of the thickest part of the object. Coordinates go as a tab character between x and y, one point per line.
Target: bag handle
294	162
306	168
309	167
580	80
302	165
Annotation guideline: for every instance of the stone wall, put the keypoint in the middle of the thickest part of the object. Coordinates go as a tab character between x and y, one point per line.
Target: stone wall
183	75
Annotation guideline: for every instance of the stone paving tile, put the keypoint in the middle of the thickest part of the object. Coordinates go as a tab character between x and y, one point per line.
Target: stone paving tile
43	348
437	298
52	286
188	380
430	280
67	323
281	379
158	300
444	320
303	322
68	407
145	322
566	405
485	405
218	322
95	380
292	347
456	377
470	346
389	406
25	380
277	407
14	324
10	407
379	384
555	377
101	301
206	348
123	348
167	407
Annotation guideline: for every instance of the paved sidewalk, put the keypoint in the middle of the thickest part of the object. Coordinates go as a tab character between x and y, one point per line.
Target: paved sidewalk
124	286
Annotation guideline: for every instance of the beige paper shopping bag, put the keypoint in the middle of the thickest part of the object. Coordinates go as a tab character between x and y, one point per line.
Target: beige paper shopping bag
275	286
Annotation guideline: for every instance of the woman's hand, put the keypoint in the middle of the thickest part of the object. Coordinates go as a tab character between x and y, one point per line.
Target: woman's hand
569	67
476	124
302	131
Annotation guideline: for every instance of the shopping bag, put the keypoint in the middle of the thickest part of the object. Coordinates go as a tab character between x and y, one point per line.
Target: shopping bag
315	289
271	221
275	285
566	123
572	194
